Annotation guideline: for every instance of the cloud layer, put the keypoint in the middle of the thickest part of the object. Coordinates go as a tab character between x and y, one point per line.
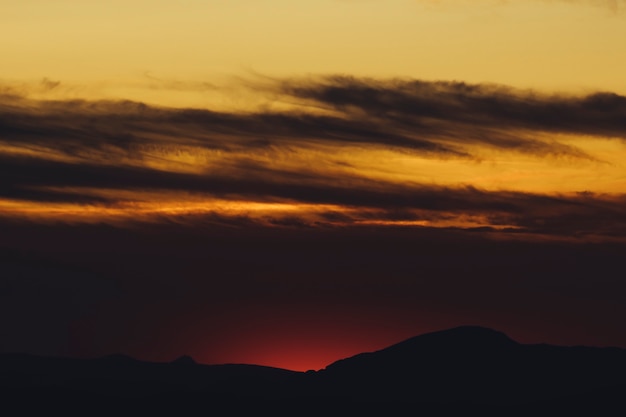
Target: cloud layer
115	154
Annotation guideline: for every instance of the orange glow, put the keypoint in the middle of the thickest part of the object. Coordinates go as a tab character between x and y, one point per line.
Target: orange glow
149	210
302	342
153	210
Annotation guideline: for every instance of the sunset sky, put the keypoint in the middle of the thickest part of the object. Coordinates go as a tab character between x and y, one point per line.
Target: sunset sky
288	183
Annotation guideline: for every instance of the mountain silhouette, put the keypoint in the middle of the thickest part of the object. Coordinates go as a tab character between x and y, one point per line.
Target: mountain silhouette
475	364
459	369
184	360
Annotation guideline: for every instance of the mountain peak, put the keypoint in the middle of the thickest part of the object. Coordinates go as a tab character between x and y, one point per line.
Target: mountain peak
184	360
469	332
450	346
462	337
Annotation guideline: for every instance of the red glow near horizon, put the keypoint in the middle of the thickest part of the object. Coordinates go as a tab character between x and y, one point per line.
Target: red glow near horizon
295	356
300	348
301	358
302	340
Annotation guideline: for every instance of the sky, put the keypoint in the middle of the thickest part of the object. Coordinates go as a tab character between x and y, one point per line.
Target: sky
291	183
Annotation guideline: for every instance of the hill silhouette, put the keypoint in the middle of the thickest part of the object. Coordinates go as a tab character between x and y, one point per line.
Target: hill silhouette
475	364
459	369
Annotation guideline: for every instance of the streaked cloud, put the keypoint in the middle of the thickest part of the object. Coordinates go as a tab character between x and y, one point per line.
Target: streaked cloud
613	5
315	162
475	107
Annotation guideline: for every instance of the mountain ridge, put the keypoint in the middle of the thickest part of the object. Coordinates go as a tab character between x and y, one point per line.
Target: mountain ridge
462	365
454	338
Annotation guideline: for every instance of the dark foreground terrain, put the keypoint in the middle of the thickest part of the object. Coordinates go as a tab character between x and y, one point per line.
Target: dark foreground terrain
452	372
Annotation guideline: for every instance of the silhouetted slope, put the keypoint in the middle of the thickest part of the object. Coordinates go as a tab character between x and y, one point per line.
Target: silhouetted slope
474	364
122	376
447	371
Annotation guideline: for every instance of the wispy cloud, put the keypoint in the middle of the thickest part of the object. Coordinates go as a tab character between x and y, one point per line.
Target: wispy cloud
481	112
117	156
613	5
425	117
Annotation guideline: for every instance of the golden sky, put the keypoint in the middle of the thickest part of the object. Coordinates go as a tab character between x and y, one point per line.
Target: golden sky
422	113
563	45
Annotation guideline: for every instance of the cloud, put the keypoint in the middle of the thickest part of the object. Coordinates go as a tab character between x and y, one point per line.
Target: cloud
439	120
435	118
119	155
613	5
478	112
103	127
363	202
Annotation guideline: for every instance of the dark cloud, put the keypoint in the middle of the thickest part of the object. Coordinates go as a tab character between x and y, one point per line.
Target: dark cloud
470	110
50	149
431	118
79	127
567	215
